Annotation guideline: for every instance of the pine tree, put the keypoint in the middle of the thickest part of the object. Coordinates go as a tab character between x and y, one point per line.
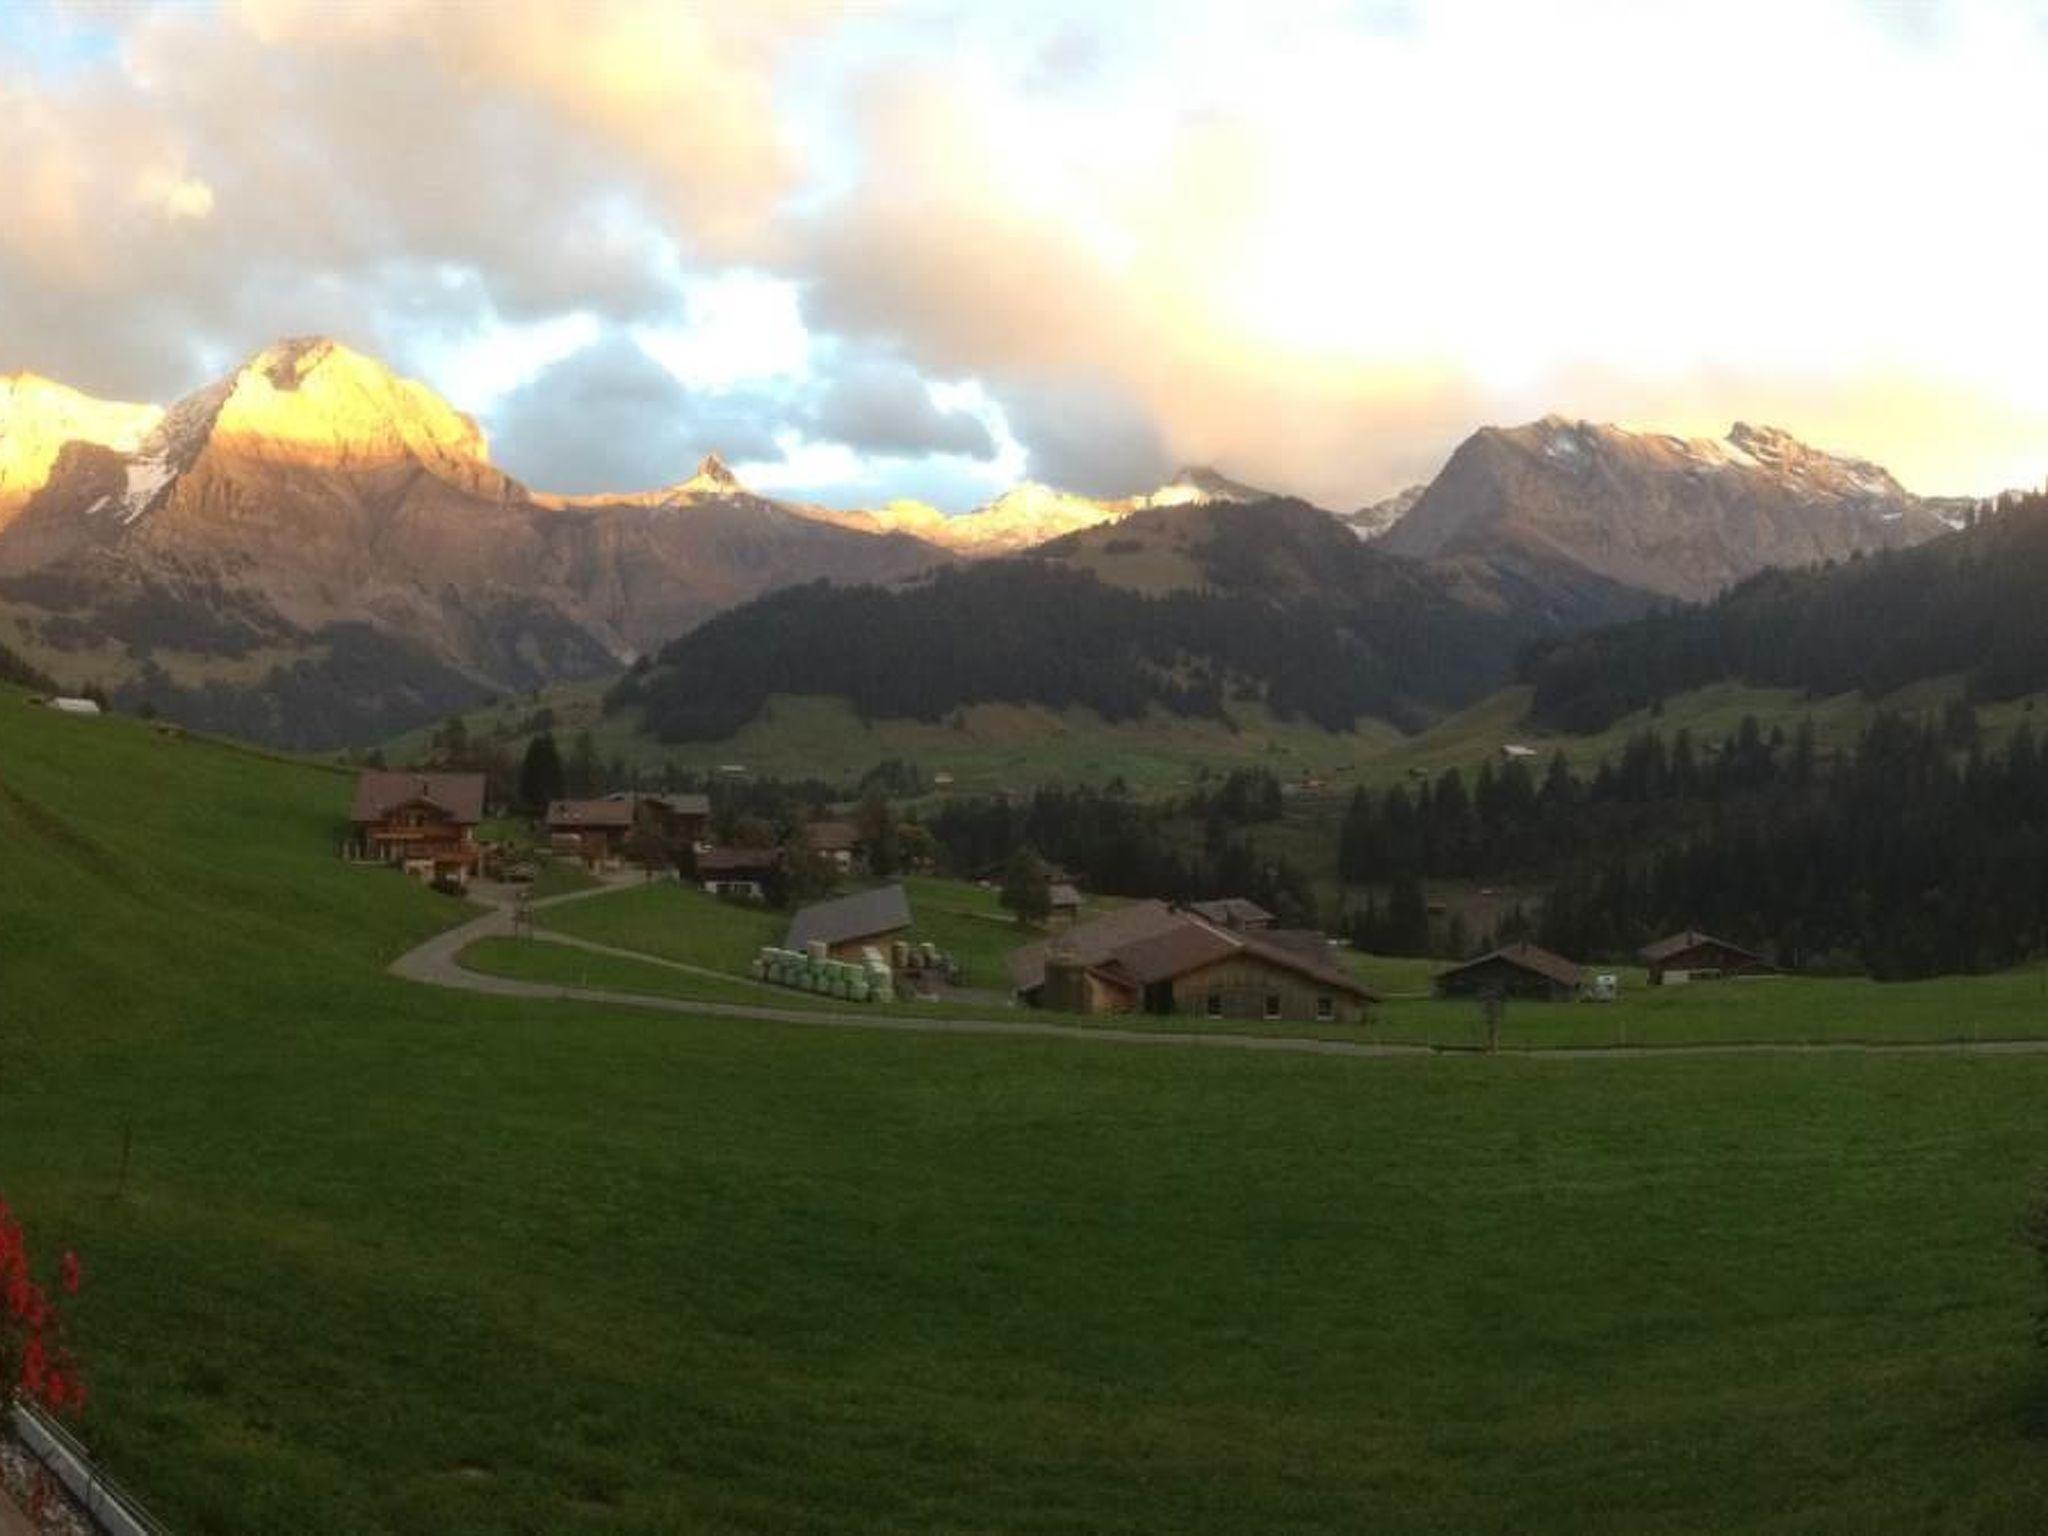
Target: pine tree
1027	892
540	774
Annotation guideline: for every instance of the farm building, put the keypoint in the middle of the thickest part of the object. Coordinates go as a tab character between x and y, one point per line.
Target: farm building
594	831
1519	970
846	925
1233	912
1154	958
1696	956
683	819
1064	899
425	822
738	871
65	705
836	842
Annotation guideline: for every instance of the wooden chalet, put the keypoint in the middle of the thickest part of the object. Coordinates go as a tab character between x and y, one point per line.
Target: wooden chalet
594	831
424	822
738	871
1063	903
1233	912
836	842
685	819
1154	958
1696	956
846	925
1518	970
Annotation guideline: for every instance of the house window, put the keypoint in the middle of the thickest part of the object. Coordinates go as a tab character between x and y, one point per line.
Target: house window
1326	1009
1272	1005
1215	1005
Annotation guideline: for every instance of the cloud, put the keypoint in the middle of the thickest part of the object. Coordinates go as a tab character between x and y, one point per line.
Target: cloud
883	406
609	418
1313	245
1081	436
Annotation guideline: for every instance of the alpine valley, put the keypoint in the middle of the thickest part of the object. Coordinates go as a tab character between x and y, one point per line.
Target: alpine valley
315	553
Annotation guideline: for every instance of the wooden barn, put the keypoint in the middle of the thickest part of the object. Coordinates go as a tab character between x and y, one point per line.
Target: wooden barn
594	831
747	872
836	842
424	822
846	925
1518	970
1696	956
1149	957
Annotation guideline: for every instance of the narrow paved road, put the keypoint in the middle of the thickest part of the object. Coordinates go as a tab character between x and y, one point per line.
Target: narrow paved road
434	963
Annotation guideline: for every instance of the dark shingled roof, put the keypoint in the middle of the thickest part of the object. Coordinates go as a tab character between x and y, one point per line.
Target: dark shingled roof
572	815
736	861
1149	941
1231	912
1093	942
379	792
1692	938
831	836
1176	951
1528	957
863	915
682	805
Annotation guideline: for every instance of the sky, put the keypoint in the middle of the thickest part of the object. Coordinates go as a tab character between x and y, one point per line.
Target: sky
869	250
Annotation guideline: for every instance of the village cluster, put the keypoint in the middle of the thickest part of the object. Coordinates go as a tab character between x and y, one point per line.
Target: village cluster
1221	959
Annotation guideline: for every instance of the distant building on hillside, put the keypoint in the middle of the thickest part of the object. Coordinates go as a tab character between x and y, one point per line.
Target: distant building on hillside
846	925
684	818
1154	958
1518	970
424	822
1233	912
745	872
836	842
596	831
1696	956
1064	903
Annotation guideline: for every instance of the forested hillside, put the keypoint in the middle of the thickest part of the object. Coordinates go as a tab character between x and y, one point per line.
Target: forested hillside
1273	603
1966	604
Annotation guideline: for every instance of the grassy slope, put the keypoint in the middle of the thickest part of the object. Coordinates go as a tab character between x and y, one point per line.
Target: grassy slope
996	747
394	1259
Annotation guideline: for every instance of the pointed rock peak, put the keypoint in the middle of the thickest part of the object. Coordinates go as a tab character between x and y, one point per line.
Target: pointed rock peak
714	477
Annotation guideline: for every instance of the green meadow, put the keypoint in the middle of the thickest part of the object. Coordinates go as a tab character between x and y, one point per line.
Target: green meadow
387	1258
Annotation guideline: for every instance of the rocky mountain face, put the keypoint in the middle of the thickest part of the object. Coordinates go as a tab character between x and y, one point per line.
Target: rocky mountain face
38	417
1671	516
1374	519
313	551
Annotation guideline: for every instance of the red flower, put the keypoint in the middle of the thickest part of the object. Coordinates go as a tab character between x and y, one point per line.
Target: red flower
67	1269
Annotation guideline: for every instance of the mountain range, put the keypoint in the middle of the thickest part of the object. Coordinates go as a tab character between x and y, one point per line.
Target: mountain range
314	552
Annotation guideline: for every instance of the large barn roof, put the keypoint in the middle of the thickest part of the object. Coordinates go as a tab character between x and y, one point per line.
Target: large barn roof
863	915
1528	957
1692	938
1149	941
380	791
572	814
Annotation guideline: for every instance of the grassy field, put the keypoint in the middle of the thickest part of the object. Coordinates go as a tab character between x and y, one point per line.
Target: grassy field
393	1259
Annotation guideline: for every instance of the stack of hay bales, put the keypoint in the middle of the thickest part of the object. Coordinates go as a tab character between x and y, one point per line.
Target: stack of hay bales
869	981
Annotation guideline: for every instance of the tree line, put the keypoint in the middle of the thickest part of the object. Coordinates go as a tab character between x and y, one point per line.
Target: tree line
1916	851
1966	605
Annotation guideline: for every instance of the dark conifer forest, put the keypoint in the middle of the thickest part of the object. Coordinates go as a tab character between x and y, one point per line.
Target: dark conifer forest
1968	605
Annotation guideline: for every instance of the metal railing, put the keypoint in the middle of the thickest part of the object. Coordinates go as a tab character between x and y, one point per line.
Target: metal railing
112	1510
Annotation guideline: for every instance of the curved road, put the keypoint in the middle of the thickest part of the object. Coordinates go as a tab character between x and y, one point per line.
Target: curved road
435	964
